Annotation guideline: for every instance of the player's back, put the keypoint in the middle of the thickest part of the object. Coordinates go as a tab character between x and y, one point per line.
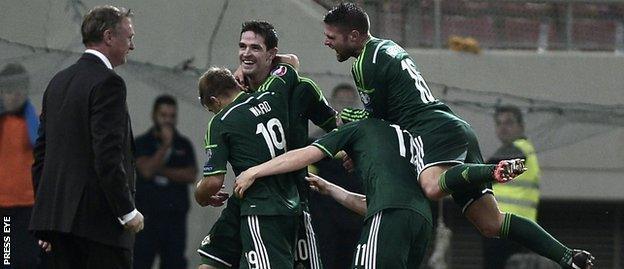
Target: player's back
253	128
392	88
385	158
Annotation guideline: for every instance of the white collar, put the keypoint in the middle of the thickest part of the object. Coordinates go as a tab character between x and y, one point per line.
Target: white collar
101	56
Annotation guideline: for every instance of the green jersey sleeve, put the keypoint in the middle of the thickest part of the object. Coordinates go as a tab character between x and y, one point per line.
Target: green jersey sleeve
216	149
318	109
337	139
283	73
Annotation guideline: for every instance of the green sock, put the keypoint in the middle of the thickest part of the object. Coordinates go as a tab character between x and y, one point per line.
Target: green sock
464	175
530	235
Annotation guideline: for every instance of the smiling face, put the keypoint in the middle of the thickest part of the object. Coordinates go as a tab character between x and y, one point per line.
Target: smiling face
338	40
120	42
253	54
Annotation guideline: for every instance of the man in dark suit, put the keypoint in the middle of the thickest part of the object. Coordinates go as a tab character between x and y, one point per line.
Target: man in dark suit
84	173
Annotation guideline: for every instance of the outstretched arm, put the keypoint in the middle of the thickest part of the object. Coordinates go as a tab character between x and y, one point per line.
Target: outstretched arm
353	201
287	162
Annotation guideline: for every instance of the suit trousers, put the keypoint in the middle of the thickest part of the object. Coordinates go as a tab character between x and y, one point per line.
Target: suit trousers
73	252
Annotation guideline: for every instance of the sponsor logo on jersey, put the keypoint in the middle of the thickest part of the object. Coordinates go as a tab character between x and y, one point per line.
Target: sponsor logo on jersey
206	240
279	71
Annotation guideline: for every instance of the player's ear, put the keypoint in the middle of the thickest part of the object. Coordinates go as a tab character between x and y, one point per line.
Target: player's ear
354	35
214	102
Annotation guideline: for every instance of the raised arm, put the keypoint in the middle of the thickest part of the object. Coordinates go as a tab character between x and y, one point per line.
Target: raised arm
287	162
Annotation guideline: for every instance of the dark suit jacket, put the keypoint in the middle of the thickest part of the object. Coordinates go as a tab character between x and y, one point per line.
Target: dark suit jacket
84	173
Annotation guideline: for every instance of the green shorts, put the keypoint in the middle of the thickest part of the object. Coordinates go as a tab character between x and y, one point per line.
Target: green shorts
268	241
306	251
221	248
393	238
454	142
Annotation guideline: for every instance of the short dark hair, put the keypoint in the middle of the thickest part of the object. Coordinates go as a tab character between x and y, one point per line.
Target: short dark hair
164	99
217	81
514	110
348	16
264	29
347	87
99	19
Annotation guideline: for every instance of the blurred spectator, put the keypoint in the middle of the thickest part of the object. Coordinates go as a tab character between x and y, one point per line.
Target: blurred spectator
338	229
18	132
166	165
519	196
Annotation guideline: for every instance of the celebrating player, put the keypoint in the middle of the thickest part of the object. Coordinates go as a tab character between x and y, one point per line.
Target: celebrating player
248	129
391	88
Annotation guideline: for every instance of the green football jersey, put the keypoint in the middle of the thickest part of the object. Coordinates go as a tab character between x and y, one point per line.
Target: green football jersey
386	157
306	102
250	131
392	88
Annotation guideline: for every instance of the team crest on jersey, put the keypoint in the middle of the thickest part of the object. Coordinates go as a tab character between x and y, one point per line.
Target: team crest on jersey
279	71
208	154
206	240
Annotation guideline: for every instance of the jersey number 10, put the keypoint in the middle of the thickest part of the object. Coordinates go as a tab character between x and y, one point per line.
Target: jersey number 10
425	94
271	137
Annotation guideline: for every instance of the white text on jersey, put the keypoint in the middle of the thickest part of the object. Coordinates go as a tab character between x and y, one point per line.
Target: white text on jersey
260	109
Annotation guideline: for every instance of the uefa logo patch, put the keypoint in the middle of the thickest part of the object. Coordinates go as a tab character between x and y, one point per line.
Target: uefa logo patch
206	240
279	71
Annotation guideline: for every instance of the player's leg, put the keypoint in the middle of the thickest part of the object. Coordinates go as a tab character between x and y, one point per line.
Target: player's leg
440	180
392	238
268	241
306	248
222	248
483	212
453	162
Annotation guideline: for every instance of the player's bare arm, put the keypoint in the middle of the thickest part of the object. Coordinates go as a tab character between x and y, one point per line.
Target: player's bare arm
353	201
209	191
287	162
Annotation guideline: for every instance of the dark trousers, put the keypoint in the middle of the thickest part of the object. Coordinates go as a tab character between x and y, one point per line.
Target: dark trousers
73	252
24	251
496	252
164	234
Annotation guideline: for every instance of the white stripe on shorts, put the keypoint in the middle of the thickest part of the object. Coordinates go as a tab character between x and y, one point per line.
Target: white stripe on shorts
254	228
312	251
371	244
